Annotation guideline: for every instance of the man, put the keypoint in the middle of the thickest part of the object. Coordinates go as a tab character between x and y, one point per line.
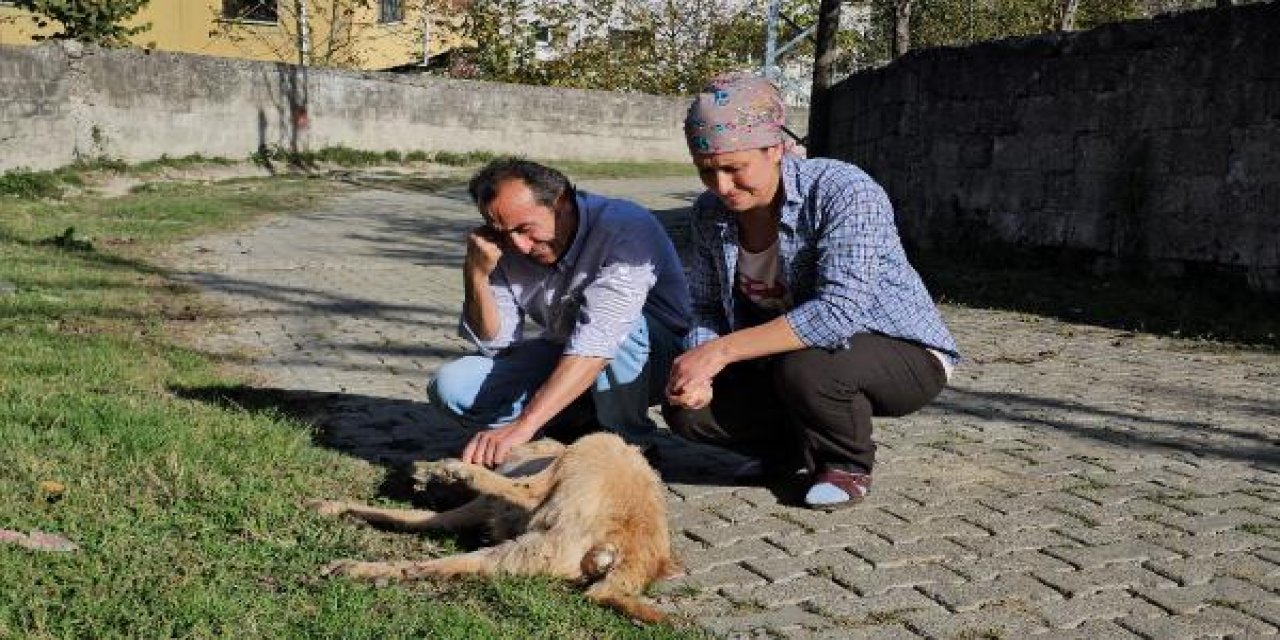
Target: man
601	279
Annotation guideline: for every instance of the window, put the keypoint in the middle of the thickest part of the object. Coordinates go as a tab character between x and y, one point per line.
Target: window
390	10
252	10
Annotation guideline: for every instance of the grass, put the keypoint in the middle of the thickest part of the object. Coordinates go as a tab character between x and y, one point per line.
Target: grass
187	512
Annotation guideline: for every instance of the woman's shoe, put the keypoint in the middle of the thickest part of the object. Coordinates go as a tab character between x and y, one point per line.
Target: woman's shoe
836	489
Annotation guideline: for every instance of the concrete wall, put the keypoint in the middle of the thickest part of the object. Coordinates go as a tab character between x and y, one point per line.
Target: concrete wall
1154	143
61	101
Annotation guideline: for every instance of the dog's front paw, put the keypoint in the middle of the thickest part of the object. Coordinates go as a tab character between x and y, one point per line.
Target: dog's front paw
330	508
450	470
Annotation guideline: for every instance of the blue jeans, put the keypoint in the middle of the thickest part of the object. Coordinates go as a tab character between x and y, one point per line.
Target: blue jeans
482	391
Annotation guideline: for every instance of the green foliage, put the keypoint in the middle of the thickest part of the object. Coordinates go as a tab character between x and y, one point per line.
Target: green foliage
30	185
93	21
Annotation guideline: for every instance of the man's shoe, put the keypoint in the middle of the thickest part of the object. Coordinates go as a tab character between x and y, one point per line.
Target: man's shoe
837	489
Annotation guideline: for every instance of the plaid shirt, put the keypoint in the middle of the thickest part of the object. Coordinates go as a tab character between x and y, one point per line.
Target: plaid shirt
841	258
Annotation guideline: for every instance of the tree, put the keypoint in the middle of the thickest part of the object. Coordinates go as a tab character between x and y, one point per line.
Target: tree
94	21
325	33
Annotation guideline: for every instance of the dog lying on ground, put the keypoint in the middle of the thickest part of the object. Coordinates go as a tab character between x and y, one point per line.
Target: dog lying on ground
592	512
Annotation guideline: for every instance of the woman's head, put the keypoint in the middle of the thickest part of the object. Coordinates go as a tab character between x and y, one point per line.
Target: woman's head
735	135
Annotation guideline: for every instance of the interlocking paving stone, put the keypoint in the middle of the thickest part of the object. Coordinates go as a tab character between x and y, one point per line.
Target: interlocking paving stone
1145	529
1120	552
726	575
754	549
1228	521
1013	620
1211	622
772	620
1216	544
891	605
913	553
1192	598
1094	630
856	540
1019	562
788	592
1200	570
938	528
879	581
1110	578
971	596
1109	605
868	632
787	567
1115	451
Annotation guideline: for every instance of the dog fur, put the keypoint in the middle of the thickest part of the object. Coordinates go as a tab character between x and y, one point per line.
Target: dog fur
592	512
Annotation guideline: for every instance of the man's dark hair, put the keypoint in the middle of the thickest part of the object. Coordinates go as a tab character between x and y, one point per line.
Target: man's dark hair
546	183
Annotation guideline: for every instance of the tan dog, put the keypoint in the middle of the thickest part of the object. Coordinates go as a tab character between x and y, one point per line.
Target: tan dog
594	512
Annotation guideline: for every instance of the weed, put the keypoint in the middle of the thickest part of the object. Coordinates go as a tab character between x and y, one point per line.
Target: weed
31	185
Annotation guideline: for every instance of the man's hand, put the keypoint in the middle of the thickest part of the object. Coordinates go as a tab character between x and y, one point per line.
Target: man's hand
484	248
695	397
490	446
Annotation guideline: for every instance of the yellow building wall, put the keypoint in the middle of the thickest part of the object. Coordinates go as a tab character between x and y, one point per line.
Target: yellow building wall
196	26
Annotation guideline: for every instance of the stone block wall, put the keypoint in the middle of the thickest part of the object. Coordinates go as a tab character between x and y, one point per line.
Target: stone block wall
60	102
1151	143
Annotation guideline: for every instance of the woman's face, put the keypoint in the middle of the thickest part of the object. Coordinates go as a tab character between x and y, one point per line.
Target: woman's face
743	180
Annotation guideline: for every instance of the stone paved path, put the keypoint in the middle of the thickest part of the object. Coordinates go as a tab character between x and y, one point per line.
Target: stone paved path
1073	481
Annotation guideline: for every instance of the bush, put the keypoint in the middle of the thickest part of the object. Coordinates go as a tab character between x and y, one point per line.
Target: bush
31	185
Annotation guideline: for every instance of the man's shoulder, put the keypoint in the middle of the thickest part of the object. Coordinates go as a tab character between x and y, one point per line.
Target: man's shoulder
617	216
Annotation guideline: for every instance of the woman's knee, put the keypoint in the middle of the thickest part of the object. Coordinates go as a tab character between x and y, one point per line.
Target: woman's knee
799	374
694	425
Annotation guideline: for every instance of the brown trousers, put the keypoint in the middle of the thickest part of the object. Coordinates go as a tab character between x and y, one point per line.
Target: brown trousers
813	407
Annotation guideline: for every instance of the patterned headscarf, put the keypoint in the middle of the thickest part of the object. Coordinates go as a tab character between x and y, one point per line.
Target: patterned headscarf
735	112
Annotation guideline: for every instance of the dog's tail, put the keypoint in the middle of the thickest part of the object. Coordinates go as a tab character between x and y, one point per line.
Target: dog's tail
631	606
619	580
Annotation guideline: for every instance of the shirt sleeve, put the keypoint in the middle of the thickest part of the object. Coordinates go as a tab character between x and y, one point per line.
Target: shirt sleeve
705	295
856	232
510	316
614	300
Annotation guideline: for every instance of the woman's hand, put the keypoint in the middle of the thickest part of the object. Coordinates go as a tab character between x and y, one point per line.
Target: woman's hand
692	371
692	397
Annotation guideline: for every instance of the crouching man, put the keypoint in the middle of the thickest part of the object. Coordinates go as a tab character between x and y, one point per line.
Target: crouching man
601	280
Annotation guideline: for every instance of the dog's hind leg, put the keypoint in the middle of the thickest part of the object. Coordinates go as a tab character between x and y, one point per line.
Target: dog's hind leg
474	563
471	514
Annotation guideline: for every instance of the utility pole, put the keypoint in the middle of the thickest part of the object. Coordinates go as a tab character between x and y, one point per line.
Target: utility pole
824	59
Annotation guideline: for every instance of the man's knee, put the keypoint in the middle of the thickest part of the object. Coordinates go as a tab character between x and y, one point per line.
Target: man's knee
456	384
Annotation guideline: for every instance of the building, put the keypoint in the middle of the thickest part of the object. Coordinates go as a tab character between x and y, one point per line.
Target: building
359	34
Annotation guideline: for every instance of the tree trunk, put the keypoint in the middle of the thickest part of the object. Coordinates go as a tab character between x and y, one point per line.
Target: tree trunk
824	58
1069	15
902	26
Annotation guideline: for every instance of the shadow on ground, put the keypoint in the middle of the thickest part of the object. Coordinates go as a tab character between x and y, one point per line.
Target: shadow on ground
1060	284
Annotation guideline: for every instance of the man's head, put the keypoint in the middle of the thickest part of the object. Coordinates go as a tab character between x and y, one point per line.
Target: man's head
735	133
530	207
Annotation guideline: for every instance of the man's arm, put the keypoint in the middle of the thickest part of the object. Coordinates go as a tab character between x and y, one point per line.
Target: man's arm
572	376
479	306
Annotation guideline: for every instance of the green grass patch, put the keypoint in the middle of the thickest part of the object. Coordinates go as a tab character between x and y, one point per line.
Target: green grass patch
187	513
31	185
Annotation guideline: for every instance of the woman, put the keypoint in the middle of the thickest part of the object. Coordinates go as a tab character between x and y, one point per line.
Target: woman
808	319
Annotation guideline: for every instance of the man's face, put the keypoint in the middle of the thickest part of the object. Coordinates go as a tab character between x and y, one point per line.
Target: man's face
541	233
743	180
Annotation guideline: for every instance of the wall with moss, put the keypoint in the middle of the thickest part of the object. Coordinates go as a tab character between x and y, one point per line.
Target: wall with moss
1151	143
